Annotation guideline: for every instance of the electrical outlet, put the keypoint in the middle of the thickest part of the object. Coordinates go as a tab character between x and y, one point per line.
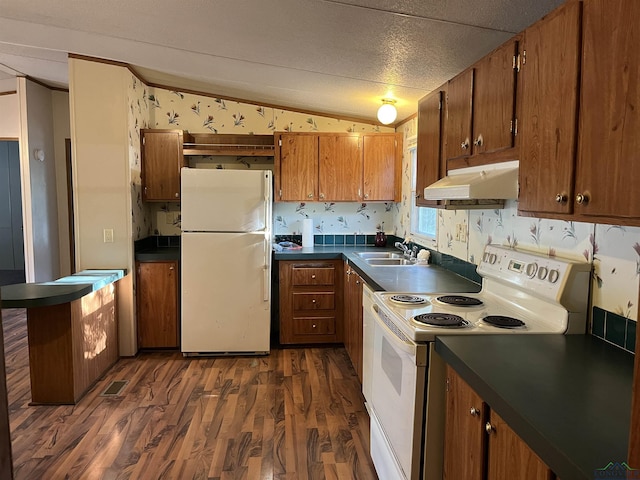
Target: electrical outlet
463	232
107	235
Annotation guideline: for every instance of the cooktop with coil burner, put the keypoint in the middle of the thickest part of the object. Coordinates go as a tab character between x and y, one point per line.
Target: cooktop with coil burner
522	292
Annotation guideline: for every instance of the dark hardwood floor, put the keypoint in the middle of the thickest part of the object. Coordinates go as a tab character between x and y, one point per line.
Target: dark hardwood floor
295	414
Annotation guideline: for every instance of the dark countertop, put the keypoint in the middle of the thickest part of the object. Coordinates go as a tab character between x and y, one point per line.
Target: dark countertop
568	397
63	290
157	254
427	278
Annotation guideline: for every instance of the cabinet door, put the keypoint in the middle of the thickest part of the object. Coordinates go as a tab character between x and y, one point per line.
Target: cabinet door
298	167
549	78
157	294
510	457
464	440
162	160
458	115
429	167
353	333
382	166
494	95
340	168
608	166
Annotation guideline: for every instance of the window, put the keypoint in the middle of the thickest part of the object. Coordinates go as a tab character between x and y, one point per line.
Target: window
423	219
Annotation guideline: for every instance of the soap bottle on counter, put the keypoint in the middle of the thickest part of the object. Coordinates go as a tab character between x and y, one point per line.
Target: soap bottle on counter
381	239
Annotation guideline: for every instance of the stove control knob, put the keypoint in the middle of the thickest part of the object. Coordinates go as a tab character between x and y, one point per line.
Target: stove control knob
554	275
492	258
542	273
485	257
531	269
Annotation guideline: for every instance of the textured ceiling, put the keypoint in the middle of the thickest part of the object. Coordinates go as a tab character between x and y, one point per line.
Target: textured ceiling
336	57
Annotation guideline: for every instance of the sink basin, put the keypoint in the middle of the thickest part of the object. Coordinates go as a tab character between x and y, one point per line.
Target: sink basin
382	255
390	262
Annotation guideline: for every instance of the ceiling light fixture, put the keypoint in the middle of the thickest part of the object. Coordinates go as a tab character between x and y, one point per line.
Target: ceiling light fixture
387	112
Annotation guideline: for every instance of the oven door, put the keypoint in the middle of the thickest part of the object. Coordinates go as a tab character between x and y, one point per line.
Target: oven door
397	397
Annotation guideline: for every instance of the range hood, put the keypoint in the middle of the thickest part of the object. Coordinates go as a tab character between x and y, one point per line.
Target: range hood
485	186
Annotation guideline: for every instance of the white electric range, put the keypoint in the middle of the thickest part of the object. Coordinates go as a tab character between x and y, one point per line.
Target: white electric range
522	293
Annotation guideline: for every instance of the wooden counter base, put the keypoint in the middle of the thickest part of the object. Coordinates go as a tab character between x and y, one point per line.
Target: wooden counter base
71	345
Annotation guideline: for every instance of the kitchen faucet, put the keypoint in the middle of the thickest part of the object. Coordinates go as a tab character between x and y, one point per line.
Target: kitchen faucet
406	252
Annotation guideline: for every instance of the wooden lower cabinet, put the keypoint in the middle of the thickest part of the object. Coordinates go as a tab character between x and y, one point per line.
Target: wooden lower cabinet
310	301
479	445
157	304
6	461
353	333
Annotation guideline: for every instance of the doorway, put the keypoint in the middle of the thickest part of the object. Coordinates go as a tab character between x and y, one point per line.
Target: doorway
12	268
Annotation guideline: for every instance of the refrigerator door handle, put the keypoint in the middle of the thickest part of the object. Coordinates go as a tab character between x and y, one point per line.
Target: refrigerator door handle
266	271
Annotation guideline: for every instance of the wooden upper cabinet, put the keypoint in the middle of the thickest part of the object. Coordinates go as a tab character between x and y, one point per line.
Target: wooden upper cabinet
382	166
297	167
494	100
162	160
340	168
510	457
549	76
608	165
429	163
458	115
464	445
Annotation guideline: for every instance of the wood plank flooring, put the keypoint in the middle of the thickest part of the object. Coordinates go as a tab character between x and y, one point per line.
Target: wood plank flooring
295	414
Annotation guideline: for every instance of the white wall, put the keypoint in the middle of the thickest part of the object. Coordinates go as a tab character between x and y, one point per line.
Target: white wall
99	137
9	116
61	131
42	261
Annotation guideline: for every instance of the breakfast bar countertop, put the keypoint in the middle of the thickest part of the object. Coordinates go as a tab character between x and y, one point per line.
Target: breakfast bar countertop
63	290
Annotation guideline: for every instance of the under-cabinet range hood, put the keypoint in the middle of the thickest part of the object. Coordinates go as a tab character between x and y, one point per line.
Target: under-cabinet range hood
485	186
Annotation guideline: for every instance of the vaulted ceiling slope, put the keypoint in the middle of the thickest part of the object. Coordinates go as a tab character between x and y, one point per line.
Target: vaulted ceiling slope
339	57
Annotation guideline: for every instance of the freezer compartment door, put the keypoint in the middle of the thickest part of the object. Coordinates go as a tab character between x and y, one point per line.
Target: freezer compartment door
225	293
215	200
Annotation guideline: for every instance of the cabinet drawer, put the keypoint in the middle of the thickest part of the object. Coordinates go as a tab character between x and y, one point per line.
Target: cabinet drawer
314	326
313	275
314	301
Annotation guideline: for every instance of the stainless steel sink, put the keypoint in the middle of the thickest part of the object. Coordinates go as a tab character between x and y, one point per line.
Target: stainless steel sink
390	262
381	255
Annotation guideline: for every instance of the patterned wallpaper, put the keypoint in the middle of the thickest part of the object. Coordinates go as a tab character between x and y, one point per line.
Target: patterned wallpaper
138	118
199	114
613	250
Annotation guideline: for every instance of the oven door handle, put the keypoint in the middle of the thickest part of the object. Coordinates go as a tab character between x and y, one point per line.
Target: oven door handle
399	339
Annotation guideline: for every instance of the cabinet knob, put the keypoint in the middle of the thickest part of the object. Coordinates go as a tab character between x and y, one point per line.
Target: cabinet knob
313	276
478	141
489	428
313	325
582	198
310	195
474	412
171	267
561	197
464	145
313	301
349	272
177	195
321	195
366	195
357	282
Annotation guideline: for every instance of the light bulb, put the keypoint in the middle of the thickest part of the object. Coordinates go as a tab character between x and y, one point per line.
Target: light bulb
387	113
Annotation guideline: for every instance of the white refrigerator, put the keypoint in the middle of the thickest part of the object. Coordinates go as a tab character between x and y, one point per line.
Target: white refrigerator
225	261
